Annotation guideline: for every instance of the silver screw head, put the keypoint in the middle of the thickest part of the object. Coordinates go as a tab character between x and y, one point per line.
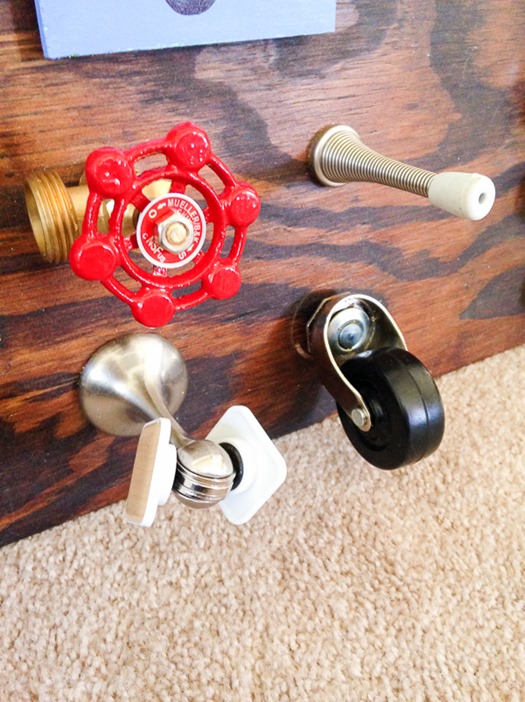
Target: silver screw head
351	334
358	417
175	233
350	329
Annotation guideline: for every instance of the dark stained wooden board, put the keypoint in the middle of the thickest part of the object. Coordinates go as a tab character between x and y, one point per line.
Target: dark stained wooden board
439	85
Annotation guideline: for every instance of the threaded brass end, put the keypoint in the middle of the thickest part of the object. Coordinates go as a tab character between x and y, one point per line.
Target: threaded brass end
52	215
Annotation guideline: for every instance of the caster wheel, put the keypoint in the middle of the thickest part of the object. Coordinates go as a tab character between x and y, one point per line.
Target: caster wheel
405	406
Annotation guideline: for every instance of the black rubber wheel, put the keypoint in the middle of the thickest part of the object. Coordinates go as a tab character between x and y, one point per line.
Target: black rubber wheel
407	414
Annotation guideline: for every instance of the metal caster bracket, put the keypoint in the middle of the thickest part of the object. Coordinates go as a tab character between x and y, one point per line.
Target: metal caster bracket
341	327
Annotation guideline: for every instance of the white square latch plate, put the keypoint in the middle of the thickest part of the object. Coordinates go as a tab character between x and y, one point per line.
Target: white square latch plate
264	469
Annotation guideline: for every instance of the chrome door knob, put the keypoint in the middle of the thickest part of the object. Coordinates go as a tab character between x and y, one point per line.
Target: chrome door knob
133	386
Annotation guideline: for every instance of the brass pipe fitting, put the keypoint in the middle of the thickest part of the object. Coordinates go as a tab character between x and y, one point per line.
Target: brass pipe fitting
56	212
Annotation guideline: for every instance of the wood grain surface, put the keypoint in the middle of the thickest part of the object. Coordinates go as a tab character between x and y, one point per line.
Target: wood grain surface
438	85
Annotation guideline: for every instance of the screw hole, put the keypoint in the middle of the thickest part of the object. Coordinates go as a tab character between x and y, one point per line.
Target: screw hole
482	198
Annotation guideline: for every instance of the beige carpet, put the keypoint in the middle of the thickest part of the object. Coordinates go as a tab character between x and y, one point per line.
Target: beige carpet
352	584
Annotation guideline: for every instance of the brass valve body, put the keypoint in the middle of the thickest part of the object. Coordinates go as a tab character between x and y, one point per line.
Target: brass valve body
56	212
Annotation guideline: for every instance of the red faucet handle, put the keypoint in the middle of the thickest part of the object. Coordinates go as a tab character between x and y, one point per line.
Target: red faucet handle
190	217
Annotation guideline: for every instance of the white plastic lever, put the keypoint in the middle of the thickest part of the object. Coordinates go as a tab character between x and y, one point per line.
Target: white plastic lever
153	473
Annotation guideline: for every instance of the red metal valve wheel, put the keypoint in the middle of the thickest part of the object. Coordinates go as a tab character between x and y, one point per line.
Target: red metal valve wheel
177	251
